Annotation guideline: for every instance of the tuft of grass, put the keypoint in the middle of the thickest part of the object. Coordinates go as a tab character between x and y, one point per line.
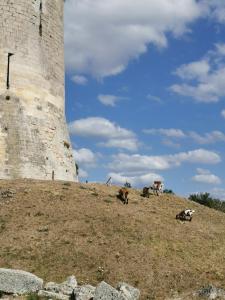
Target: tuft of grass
94	194
109	201
2	225
33	296
82	187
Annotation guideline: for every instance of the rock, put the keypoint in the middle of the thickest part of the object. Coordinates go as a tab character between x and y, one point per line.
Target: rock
65	288
7	193
68	286
52	287
52	295
211	292
105	292
85	292
71	282
43	229
19	282
128	291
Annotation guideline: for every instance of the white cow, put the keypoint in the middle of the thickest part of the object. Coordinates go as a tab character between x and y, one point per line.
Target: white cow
185	215
157	187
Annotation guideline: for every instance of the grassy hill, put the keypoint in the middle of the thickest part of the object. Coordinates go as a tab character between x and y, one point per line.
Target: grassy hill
56	229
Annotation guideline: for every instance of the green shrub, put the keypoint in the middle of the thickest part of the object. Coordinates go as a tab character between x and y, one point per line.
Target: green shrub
207	200
166	191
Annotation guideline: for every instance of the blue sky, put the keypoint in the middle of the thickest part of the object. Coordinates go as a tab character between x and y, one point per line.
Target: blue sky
145	89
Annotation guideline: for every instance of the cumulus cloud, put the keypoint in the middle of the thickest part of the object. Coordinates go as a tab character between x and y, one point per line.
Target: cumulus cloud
170	132
145	179
194	70
83	173
102	36
109	100
100	128
128	144
205	176
143	163
85	156
85	159
203	80
78	79
206	138
216	9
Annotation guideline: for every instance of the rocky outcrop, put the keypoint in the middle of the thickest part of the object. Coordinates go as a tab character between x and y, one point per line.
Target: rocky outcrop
128	291
211	292
106	292
19	282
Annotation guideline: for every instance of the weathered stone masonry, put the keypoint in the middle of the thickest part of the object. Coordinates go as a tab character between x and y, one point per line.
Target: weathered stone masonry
34	140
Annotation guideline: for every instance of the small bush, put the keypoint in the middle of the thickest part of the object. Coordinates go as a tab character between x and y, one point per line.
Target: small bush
127	185
166	191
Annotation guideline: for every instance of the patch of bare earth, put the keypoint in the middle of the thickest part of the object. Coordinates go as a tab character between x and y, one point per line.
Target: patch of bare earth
55	229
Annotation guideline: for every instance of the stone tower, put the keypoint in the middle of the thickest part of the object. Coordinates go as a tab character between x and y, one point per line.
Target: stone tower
34	140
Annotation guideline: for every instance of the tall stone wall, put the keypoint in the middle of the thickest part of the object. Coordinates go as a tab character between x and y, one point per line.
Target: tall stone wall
34	141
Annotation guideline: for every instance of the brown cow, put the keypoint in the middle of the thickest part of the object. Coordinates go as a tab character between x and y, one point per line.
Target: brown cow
123	195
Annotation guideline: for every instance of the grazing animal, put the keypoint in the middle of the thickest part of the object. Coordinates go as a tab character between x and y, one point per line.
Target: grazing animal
145	192
157	187
123	195
185	215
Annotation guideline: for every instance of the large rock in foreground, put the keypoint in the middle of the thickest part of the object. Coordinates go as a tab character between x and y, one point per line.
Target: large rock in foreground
106	292
19	282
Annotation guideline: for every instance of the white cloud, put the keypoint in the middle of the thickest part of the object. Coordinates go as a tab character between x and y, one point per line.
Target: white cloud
143	163
223	113
100	128
108	100
102	36
203	171
216	9
83	173
85	156
208	138
78	79
146	179
128	144
194	70
170	132
220	48
203	80
205	176
85	159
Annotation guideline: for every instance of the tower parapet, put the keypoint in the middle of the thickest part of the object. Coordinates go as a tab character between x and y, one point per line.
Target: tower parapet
34	140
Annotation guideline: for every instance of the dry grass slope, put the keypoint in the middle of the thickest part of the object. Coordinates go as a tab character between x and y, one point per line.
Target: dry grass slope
56	229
